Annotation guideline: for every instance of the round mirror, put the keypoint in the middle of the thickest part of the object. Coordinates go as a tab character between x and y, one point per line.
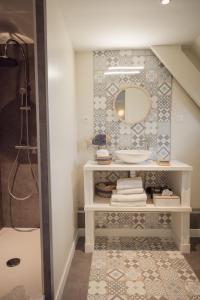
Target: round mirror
132	104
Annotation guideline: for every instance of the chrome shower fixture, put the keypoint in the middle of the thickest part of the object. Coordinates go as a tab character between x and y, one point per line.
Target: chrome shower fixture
6	61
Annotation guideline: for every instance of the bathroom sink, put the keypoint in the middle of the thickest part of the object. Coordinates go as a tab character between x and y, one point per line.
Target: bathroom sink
133	156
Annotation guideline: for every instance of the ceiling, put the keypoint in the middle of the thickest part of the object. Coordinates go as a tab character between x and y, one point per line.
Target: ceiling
16	16
103	24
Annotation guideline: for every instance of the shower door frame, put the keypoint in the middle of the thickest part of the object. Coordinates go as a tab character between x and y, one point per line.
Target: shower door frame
43	147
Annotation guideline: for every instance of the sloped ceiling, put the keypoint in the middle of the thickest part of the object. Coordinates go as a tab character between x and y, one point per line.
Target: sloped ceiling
181	67
109	24
16	16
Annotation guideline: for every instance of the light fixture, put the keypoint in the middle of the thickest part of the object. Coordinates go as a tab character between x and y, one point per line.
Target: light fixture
121	72
165	2
121	113
126	68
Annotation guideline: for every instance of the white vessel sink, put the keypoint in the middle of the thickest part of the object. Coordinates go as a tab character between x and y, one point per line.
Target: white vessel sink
133	156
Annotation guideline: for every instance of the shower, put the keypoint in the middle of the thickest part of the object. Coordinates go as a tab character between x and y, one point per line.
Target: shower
23	147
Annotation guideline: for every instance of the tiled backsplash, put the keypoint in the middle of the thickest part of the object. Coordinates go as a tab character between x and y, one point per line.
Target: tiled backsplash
155	78
156	128
132	220
149	178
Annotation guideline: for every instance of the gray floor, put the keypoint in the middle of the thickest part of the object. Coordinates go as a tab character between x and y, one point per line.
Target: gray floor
77	283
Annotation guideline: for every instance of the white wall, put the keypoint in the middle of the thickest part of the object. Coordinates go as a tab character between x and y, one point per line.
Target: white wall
185	123
84	79
185	127
196	46
63	138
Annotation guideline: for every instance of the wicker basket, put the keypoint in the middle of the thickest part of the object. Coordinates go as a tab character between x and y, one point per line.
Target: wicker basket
105	189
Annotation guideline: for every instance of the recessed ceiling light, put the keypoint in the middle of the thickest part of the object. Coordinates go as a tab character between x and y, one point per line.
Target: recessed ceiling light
165	2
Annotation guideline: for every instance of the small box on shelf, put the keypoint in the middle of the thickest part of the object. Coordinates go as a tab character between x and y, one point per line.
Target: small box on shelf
163	201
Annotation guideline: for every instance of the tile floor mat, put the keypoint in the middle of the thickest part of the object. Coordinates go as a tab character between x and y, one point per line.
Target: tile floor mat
144	271
134	243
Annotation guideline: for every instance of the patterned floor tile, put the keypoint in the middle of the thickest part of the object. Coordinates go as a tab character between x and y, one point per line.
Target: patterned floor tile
141	274
155	289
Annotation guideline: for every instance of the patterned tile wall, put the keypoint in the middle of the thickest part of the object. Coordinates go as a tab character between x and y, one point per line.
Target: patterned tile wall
156	128
155	78
132	220
149	178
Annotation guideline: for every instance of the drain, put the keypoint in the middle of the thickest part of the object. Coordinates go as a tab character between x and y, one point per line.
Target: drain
13	262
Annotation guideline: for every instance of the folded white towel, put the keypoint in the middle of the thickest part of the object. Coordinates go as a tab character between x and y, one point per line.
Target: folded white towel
129	204
130	191
128	198
129	183
102	153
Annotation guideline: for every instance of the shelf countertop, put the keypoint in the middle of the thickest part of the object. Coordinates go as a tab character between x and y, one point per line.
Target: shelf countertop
103	204
145	166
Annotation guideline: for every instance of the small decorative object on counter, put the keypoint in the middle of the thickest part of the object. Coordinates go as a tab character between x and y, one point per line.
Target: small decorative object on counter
104	189
103	157
164	162
100	140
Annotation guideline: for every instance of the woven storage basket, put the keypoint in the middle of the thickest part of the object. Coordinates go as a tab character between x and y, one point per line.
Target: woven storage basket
105	189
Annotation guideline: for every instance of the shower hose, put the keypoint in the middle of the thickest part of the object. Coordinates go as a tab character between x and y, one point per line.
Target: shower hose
25	147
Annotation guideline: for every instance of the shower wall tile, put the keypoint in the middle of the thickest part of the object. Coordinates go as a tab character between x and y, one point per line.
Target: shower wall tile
25	214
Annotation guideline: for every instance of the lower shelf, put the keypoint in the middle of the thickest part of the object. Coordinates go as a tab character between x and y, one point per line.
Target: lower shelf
103	204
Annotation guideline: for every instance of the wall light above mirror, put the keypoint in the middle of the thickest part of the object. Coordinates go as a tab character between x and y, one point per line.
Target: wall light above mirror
120	70
132	104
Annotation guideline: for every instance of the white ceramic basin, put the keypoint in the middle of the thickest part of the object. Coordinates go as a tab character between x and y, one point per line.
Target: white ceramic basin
133	156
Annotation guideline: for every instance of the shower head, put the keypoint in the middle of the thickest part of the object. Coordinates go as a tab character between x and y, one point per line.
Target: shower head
6	61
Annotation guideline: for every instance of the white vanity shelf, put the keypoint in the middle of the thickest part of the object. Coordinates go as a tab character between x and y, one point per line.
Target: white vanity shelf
179	178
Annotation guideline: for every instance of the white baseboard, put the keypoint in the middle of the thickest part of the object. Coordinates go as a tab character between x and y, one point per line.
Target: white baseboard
183	247
129	232
195	232
63	280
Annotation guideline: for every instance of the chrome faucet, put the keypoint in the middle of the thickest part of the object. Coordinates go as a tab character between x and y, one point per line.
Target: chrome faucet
145	143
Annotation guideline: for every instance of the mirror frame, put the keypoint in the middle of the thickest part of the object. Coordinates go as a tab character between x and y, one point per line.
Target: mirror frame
129	87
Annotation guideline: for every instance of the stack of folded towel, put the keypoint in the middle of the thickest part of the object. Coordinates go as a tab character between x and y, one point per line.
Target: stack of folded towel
129	192
103	157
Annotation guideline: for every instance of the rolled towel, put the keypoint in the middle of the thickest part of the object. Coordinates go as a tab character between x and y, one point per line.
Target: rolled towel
128	198
130	191
129	204
129	183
